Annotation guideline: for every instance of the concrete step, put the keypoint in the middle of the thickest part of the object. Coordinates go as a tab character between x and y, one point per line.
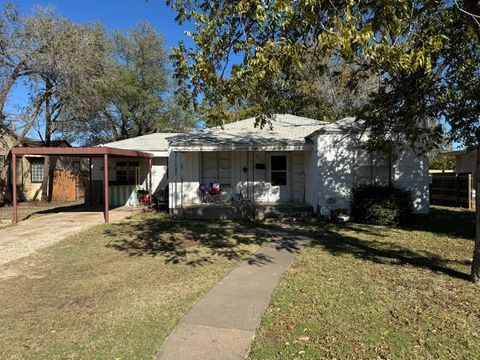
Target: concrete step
286	212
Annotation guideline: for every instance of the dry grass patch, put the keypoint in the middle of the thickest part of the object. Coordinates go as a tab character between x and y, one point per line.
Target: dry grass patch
115	291
382	293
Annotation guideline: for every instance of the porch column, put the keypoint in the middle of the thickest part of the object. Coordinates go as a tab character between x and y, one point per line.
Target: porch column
150	179
90	183
14	186
105	186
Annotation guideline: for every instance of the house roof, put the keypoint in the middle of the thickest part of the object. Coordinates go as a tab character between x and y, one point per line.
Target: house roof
348	124
287	132
151	142
457	152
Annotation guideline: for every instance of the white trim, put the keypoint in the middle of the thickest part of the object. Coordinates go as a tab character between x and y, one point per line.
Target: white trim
158	153
242	148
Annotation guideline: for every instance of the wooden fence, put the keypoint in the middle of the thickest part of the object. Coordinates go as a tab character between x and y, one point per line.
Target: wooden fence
452	189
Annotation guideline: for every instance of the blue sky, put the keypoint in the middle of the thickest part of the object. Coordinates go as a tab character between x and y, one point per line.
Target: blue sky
114	15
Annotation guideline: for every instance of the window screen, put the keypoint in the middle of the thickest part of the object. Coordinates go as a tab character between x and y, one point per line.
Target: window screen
36	170
126	172
216	167
371	168
279	170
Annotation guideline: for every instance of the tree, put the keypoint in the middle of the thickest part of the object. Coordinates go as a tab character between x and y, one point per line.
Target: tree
424	52
58	61
136	95
443	162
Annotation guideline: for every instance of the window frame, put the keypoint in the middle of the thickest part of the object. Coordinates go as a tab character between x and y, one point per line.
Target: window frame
376	160
36	162
220	172
126	167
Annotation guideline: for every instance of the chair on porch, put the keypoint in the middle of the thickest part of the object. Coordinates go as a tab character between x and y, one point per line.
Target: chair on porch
210	193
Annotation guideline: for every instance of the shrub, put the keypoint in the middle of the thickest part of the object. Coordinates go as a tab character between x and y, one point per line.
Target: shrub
381	205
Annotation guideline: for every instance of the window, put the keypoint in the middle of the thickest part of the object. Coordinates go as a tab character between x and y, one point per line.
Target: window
126	172
216	167
279	170
371	168
20	171
36	170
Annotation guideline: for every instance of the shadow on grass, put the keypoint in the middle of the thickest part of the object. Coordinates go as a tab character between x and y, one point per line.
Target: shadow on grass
197	242
330	239
458	223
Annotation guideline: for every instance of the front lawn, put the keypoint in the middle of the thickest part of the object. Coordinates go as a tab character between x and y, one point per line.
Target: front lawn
374	292
115	291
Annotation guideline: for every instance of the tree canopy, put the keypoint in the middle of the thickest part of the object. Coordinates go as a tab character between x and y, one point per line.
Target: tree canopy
424	53
85	84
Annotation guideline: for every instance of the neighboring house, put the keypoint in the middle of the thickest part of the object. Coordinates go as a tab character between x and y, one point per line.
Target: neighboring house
465	161
67	183
7	140
296	161
127	174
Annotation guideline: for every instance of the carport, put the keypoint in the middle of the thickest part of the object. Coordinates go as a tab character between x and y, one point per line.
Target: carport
87	152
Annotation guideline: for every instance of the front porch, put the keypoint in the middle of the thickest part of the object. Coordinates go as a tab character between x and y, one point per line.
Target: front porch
244	210
247	178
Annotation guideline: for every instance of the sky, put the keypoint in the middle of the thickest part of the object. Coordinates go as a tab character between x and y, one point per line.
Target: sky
114	15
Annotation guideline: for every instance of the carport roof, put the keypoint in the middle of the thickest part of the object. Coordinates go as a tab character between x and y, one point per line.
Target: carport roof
80	152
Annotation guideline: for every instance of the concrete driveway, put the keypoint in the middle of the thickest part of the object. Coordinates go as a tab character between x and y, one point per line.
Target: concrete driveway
28	236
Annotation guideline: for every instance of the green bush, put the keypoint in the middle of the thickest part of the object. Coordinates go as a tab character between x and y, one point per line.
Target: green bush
381	205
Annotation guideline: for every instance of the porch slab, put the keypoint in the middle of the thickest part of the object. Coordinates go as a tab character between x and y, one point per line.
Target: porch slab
236	211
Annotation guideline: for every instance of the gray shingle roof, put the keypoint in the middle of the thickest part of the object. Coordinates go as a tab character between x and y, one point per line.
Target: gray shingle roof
286	130
150	142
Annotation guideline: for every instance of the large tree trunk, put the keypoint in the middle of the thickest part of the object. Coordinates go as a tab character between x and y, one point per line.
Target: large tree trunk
475	274
17	72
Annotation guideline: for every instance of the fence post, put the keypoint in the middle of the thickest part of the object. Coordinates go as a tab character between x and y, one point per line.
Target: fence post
456	190
469	189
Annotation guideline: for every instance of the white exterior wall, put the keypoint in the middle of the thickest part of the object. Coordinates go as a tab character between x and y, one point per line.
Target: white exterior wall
332	179
185	176
465	163
311	177
410	172
159	170
329	174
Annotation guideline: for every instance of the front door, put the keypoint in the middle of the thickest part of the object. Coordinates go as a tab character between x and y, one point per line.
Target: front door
279	178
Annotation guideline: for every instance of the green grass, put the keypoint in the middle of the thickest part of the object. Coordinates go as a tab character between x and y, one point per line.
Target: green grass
115	291
374	292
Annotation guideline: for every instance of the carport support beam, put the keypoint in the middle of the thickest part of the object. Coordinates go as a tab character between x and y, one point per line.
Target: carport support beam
150	179
105	186
14	187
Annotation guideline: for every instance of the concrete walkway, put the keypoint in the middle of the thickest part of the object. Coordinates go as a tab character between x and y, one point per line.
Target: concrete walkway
222	324
28	236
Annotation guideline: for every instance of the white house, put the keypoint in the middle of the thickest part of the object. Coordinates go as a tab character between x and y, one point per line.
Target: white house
294	161
127	174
